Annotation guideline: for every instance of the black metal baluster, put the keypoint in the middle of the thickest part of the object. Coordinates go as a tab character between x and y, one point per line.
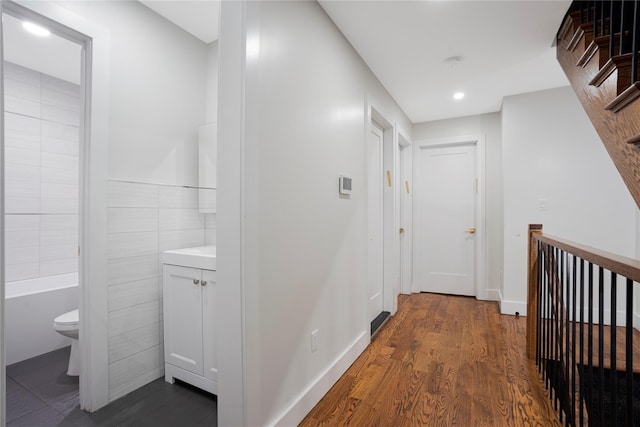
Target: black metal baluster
573	338
602	19
601	343
614	323
596	16
581	341
554	328
539	305
634	44
558	320
612	27
547	323
623	15
549	317
590	340
561	329
565	329
629	354
544	322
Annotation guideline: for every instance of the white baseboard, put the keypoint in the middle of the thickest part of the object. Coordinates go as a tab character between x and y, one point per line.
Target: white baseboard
490	295
511	307
305	402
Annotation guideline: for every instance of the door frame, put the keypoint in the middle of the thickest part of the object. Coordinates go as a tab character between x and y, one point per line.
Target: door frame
375	223
405	211
480	282
92	263
390	240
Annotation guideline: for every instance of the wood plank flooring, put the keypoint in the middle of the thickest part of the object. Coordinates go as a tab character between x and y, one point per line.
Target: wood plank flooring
440	361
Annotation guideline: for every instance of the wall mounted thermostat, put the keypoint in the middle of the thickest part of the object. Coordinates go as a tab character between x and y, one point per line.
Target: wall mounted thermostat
345	184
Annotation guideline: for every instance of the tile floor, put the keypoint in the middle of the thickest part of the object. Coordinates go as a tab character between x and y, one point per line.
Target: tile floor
40	394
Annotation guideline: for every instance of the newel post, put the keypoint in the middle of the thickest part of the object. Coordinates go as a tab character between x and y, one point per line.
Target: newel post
532	291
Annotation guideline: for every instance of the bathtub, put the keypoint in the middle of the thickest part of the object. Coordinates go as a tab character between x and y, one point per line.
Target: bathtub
30	307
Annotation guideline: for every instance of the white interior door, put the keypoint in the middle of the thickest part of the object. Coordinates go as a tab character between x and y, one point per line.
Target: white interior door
375	269
445	220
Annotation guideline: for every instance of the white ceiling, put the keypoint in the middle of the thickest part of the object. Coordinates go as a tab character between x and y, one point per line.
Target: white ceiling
52	55
504	46
198	17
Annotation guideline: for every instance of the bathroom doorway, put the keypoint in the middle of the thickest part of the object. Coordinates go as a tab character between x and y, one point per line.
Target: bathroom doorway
54	166
42	133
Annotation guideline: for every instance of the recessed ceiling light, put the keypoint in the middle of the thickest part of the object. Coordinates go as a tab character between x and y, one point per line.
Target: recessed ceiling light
35	29
458	95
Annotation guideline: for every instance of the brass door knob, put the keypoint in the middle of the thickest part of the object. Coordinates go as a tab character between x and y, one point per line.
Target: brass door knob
401	230
472	230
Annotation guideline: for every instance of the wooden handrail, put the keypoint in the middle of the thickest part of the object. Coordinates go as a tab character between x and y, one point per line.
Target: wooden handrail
535	231
623	266
627	267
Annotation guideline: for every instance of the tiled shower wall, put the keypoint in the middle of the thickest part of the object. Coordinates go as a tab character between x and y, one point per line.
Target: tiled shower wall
144	220
41	174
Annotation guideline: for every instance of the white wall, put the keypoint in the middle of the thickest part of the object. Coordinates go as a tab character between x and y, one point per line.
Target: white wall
41	174
211	113
157	96
488	125
304	246
551	151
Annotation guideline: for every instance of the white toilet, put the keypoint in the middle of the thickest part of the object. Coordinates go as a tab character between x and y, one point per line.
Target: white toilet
67	325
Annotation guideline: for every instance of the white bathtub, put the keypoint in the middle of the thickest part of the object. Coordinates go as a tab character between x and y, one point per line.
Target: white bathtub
22	288
30	307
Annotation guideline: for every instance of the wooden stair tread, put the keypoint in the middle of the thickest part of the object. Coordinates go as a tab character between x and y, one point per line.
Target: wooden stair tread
597	45
625	98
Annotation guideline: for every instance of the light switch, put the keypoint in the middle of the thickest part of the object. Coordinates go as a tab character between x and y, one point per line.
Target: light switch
542	204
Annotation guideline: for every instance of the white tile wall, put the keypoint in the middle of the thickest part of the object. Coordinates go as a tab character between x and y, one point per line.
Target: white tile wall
181	239
22	106
133	293
142	221
130	343
122	220
123	270
123	194
41	174
178	197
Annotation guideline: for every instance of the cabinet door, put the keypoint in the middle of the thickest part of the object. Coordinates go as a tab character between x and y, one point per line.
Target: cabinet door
210	338
182	302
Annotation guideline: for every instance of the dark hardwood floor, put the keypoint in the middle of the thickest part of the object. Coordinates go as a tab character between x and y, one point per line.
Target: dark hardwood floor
40	394
440	361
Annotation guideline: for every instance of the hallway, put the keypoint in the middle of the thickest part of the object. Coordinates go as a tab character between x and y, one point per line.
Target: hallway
440	361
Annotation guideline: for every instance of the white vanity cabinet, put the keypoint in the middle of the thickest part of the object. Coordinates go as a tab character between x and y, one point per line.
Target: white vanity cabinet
189	296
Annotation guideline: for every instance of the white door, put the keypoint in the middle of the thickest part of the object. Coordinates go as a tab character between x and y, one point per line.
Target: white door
375	182
182	303
445	220
209	338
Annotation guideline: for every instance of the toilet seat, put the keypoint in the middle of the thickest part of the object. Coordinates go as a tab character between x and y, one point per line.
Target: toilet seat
67	321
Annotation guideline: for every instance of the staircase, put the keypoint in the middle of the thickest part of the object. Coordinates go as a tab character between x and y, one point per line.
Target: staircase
597	47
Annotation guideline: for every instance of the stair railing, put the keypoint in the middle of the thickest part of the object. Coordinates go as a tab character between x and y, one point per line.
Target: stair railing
617	20
580	330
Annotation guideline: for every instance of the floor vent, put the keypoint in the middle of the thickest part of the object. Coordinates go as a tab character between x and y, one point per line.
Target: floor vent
379	321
